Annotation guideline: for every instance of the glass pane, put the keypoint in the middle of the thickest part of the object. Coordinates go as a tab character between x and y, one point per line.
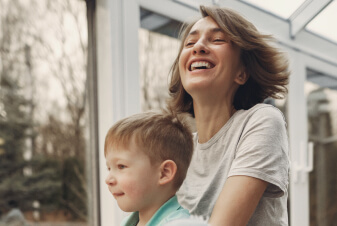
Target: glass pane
324	23
44	112
157	53
158	48
281	8
322	126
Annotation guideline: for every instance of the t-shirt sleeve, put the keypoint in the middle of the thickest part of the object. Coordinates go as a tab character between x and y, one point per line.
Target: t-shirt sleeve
262	151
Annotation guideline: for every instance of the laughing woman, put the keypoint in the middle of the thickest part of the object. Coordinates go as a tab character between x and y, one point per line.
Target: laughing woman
224	71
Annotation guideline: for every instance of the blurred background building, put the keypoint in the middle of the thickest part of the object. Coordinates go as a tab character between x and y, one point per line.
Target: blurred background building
70	68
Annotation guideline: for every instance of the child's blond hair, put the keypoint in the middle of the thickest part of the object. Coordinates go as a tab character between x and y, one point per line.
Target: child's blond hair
161	136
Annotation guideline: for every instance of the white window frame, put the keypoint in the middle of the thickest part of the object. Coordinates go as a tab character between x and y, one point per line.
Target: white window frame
117	24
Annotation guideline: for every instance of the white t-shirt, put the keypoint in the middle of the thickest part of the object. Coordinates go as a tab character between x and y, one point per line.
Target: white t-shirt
253	143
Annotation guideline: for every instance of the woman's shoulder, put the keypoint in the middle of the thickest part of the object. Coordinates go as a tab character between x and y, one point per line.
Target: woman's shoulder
264	111
261	114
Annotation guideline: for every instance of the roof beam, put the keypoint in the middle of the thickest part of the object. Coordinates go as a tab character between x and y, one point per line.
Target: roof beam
304	14
154	21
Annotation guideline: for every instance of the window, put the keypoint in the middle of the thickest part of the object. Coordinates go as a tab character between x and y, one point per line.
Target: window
46	172
158	47
322	131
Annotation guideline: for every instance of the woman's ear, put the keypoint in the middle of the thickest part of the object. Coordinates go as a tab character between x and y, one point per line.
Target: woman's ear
241	78
168	170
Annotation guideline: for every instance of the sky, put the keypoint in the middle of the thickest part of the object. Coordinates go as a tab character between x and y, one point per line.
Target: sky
323	24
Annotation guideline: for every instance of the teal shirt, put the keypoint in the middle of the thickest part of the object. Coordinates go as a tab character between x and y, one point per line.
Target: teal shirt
171	210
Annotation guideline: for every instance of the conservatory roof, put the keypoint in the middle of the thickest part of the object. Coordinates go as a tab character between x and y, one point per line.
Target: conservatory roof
306	22
316	16
306	26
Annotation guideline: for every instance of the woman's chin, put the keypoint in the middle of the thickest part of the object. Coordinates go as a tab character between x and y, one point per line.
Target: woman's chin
197	88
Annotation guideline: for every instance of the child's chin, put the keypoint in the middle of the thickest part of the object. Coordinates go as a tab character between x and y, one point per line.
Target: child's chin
126	208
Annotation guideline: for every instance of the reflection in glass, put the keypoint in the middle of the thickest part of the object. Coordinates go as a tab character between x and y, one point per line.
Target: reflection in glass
43	111
156	54
322	121
158	48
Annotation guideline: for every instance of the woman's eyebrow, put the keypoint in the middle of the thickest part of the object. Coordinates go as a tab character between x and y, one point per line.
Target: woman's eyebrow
195	32
213	30
216	30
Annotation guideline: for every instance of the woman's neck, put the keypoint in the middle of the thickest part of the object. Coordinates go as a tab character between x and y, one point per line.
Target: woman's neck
211	118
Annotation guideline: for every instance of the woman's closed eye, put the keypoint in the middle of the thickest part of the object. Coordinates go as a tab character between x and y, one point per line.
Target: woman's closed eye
219	40
189	44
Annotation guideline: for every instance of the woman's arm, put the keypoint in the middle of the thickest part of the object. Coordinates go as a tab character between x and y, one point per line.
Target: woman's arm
237	201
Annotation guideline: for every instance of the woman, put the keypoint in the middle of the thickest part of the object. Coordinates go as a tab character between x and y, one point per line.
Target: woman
224	71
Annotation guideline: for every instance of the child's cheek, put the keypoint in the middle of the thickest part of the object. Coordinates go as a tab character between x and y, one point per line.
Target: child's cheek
132	188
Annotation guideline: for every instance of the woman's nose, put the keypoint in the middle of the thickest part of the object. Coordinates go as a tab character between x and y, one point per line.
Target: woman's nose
200	47
110	179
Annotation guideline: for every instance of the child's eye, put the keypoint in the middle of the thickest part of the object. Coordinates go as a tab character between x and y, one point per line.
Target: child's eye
219	40
120	166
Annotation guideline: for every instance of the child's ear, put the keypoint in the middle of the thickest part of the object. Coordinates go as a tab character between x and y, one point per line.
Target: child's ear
241	78
168	170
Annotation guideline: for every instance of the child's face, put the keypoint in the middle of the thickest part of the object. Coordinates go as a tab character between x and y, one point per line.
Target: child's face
132	180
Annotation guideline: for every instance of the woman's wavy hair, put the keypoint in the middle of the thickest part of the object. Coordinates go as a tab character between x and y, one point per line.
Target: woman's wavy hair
265	65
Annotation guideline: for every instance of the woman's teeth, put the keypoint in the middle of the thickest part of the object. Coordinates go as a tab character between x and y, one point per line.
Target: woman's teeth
200	65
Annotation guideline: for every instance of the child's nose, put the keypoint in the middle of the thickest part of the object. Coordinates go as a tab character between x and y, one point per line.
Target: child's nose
110	179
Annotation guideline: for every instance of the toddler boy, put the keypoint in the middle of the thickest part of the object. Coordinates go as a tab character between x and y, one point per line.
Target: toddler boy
147	156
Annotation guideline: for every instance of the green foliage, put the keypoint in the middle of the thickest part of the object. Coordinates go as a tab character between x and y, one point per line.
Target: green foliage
44	185
13	126
42	180
74	188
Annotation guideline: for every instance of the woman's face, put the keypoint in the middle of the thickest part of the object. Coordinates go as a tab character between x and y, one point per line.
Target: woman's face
209	63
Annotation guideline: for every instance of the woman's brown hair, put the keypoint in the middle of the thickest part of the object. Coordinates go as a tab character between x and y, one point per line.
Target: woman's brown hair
265	65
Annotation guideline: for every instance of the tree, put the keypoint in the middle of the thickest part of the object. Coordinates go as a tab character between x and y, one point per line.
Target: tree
56	163
63	133
13	126
21	177
157	53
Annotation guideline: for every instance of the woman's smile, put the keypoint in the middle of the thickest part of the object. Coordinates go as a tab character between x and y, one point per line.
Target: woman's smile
199	65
